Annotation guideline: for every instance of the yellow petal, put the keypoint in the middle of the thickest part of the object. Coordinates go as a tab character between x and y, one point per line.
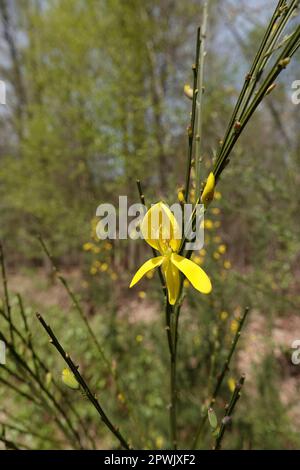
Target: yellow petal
197	277
209	189
150	264
172	278
160	228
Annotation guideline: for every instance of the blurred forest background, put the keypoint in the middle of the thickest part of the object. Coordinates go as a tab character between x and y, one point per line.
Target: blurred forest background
94	101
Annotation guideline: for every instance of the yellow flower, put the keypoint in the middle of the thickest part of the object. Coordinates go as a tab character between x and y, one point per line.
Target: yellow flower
121	398
142	294
139	338
224	315
215	211
161	231
208	224
87	246
180	196
231	384
209	189
104	267
68	379
222	249
159	442
216	255
227	264
234	326
93	270
217	195
202	252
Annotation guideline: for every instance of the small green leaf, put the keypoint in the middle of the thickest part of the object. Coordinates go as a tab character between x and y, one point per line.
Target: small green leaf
213	421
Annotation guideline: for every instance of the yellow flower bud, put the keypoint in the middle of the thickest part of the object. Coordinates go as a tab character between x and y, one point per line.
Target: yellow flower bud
234	326
227	264
188	91
222	249
231	384
87	246
223	315
180	196
208	224
68	379
139	338
209	189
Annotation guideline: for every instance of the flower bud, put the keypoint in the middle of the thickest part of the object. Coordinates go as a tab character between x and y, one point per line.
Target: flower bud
284	62
209	189
188	91
68	379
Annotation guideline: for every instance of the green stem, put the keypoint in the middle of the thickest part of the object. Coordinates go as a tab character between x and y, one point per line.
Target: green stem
200	88
91	397
222	374
6	294
191	129
229	411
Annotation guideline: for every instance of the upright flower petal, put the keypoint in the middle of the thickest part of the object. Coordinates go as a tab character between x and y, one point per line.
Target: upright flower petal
197	277
172	278
160	228
150	264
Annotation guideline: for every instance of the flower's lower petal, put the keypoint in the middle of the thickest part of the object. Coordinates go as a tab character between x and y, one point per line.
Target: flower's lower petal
172	282
197	277
150	264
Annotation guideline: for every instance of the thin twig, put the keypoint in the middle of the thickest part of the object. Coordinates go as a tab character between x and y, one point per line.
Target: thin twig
229	411
191	128
199	102
222	374
69	429
91	397
6	294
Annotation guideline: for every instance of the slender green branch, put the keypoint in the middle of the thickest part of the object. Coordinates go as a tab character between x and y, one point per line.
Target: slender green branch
248	78
191	128
6	294
91	397
236	127
39	364
229	411
19	392
222	374
28	333
199	99
68	427
25	430
10	444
